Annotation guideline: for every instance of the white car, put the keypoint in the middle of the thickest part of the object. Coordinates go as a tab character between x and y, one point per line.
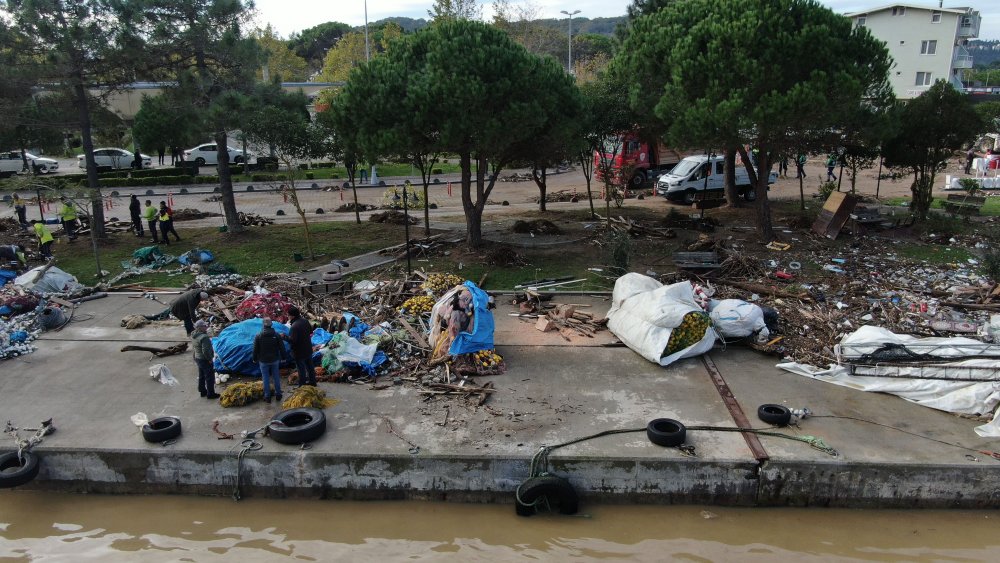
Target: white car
209	154
10	161
115	158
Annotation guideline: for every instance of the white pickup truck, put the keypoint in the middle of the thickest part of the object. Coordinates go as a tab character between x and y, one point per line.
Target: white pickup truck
689	177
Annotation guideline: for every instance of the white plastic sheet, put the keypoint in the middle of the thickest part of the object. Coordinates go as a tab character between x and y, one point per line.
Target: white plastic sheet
949	395
161	373
53	281
644	312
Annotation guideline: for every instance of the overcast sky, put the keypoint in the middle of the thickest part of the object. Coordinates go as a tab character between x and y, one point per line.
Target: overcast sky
287	16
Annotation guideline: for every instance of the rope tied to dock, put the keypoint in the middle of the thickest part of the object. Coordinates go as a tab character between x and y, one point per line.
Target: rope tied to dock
25	444
247	445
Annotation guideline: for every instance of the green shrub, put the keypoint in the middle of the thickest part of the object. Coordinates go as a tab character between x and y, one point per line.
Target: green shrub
436	171
335	176
304	166
310	176
827	188
263	177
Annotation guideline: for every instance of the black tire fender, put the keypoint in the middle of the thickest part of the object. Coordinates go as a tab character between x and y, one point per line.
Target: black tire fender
199	161
556	490
22	472
750	193
297	426
688	196
778	415
161	429
666	432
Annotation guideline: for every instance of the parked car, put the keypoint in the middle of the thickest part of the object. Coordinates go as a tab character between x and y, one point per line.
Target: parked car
11	162
209	154
115	158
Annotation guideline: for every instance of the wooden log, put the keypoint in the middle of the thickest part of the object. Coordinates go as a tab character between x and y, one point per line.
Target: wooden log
545	324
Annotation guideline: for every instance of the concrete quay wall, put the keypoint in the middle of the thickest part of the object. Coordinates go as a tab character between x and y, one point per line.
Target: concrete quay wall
307	474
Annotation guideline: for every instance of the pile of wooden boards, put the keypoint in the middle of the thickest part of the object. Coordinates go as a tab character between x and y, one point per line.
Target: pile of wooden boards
568	320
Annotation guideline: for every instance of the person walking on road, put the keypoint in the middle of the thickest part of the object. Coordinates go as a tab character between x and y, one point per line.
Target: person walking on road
21	209
831	163
161	151
166	219
135	212
203	357
800	166
44	238
185	307
150	214
299	336
67	214
268	348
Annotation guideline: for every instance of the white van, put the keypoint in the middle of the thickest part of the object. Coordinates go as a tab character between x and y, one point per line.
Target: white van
689	178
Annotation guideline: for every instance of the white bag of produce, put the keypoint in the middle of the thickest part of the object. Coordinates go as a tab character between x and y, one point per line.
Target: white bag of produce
645	314
735	318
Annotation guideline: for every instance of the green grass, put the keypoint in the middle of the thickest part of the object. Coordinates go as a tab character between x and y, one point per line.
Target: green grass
934	254
383	170
990	208
258	250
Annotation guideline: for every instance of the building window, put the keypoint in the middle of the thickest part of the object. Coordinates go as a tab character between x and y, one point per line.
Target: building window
928	47
936	16
862	20
899	10
923	79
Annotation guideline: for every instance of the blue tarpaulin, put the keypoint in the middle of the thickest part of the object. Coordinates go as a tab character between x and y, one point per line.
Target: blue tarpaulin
481	336
203	257
234	347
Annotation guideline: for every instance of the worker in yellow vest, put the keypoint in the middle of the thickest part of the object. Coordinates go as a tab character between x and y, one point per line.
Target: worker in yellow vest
67	214
150	214
44	238
166	219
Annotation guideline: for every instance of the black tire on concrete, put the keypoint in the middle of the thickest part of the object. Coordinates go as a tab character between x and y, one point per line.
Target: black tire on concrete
666	432
556	490
750	193
777	415
13	473
297	426
161	429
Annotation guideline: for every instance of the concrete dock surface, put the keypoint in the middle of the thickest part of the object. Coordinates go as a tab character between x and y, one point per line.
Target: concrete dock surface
394	443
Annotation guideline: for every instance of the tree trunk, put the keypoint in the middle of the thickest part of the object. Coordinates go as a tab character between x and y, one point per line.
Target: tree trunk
540	182
226	183
802	192
352	171
86	135
729	178
426	167
473	213
765	229
587	168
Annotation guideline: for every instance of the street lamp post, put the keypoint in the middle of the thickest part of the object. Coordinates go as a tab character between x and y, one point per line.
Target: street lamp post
569	66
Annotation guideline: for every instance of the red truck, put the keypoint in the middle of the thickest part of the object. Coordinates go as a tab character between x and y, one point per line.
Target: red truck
645	159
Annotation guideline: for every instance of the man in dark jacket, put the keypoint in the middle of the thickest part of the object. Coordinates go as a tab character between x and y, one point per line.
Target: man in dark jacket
268	349
135	212
185	307
203	356
300	338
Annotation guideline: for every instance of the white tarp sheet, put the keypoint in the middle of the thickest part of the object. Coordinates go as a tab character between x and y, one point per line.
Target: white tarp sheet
644	312
54	281
957	396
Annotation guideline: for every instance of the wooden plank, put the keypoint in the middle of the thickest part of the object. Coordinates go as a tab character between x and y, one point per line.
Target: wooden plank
62	302
225	310
836	211
421	341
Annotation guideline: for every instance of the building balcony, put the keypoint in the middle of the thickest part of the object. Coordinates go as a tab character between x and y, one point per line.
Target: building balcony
962	61
968	28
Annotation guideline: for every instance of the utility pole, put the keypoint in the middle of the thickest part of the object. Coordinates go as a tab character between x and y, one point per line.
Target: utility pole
569	66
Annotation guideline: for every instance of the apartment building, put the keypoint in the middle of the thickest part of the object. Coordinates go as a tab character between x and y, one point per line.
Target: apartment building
927	43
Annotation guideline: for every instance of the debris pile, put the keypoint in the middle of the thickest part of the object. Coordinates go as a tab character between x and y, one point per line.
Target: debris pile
536	227
392	217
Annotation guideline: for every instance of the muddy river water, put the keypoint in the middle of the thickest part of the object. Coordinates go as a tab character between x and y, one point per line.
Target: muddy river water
37	526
